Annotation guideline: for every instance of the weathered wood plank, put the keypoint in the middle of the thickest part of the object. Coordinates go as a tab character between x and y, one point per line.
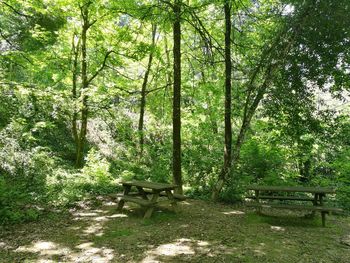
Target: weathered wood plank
295	207
321	190
150	185
281	197
137	200
180	197
176	196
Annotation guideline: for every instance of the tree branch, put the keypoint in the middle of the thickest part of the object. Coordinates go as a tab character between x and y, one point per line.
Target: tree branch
15	10
101	68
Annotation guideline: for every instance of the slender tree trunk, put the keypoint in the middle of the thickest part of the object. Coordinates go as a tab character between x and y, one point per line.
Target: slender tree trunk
272	58
75	49
144	90
169	76
228	99
84	79
177	97
212	119
248	115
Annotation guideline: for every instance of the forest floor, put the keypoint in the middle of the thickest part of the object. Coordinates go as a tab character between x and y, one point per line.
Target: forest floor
200	232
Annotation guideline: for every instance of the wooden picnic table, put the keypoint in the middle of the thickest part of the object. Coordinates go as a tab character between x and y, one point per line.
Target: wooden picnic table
293	193
147	194
318	192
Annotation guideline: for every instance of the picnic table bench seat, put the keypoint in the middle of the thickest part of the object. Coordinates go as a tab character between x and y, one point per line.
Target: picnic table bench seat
296	207
282	197
149	192
282	193
323	209
142	202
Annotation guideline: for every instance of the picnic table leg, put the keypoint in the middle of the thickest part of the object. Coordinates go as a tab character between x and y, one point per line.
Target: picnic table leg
320	198
323	214
121	201
257	193
172	199
150	209
142	193
315	203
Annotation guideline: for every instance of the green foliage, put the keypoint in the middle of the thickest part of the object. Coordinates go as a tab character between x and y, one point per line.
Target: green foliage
22	183
95	174
67	187
295	138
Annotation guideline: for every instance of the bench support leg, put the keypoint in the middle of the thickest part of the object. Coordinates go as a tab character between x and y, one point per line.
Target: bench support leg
121	201
150	209
120	205
149	212
172	200
323	214
315	203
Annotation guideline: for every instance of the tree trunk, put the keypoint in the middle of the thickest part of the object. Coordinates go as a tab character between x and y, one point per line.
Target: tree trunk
144	90
75	50
228	100
84	86
248	115
177	177
228	72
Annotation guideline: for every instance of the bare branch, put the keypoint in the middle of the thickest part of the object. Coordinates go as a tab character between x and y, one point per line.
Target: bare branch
15	10
101	68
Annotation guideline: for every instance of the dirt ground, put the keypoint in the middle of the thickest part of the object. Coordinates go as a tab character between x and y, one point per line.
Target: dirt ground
199	232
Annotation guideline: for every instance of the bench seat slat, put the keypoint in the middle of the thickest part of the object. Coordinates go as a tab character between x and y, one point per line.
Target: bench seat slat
180	197
137	200
296	207
148	191
275	197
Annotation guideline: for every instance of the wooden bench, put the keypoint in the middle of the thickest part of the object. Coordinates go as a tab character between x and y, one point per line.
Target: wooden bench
282	197
141	202
317	200
324	210
149	192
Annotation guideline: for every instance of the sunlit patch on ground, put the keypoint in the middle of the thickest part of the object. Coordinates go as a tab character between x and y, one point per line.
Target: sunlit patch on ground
89	213
85	252
260	249
186	248
117	215
278	228
89	253
234	212
181	246
45	249
109	203
95	229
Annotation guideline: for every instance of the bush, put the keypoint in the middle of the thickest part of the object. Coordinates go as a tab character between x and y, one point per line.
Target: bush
66	186
22	181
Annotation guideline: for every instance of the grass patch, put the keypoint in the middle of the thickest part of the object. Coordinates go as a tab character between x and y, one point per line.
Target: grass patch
111	234
160	217
284	220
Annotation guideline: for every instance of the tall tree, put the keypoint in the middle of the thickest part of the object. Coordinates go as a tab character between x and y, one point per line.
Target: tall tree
86	79
228	99
177	96
262	76
144	89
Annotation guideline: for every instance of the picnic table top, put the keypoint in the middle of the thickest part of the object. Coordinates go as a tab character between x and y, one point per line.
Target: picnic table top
320	190
149	185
